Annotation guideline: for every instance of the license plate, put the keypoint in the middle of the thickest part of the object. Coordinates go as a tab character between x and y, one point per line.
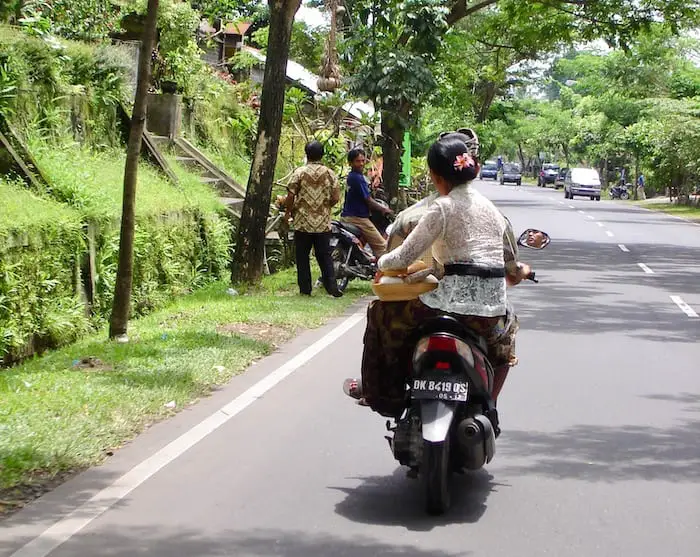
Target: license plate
439	389
334	242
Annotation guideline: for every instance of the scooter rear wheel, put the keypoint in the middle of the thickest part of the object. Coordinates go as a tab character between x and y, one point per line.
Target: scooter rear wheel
435	472
339	256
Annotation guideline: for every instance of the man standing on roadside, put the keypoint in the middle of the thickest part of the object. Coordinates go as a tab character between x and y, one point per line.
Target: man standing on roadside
358	203
313	191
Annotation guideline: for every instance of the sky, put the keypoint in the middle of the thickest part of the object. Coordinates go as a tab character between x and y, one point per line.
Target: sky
310	16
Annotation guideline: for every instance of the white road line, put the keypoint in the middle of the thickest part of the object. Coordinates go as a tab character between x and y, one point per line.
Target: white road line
551	198
646	268
582	212
71	524
591	217
562	203
572	207
609	233
623	247
685	308
600	224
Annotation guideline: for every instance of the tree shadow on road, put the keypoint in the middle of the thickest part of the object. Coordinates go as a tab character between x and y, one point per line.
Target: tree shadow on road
156	540
596	301
597	453
397	501
692	400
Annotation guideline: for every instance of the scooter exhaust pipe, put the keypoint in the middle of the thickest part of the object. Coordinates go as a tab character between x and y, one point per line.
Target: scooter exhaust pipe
477	441
469	433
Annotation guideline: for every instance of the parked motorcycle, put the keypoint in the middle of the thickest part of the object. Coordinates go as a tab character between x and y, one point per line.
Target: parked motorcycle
450	421
351	254
620	191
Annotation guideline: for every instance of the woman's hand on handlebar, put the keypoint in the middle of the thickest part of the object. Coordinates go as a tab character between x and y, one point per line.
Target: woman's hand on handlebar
521	273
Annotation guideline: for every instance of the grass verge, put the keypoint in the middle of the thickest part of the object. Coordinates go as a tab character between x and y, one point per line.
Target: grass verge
690	213
70	409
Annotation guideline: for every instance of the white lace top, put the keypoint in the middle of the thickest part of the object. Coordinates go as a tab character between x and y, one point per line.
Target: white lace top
462	227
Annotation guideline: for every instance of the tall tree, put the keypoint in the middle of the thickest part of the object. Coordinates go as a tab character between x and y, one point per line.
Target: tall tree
125	269
248	260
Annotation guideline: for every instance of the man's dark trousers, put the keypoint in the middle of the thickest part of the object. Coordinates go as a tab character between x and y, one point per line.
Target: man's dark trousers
320	241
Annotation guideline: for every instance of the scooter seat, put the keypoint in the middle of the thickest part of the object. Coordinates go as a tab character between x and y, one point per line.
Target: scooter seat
353	229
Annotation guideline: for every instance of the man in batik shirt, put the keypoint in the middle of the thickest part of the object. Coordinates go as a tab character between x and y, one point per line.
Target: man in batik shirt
313	191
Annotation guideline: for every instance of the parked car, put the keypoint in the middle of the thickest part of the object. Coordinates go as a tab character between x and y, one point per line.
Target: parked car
511	173
561	177
548	174
489	170
583	182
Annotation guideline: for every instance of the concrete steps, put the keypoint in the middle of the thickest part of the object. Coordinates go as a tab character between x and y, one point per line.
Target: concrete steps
231	193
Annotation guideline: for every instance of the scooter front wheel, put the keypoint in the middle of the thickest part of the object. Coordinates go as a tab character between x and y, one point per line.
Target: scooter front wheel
624	196
435	472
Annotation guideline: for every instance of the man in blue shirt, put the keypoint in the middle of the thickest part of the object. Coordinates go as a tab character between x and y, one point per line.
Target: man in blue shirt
358	203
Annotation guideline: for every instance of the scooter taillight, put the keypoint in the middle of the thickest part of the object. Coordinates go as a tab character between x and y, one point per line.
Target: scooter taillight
443	343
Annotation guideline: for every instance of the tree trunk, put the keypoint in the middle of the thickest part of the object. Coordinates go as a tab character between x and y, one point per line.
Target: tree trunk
489	96
392	136
122	291
19	7
248	260
521	156
605	172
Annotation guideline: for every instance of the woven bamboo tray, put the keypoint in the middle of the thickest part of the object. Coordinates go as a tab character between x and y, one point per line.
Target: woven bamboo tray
402	292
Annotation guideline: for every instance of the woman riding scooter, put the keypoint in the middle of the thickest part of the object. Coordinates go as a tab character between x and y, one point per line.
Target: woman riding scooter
474	244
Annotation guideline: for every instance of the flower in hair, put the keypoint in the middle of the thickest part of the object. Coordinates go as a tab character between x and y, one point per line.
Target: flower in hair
463	161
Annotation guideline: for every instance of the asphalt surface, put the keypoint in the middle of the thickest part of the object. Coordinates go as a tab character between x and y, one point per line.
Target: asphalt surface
600	454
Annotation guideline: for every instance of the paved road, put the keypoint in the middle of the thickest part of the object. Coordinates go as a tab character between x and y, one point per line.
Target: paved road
600	454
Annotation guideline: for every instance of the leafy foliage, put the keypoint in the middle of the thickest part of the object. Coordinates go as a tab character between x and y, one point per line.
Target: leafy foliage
84	20
390	52
65	89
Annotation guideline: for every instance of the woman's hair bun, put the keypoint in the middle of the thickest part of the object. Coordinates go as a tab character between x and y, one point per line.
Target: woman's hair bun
450	158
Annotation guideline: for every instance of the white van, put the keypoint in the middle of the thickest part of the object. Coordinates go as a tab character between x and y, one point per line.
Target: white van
582	181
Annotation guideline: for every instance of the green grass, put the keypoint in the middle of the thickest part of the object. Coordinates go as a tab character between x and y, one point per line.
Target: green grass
56	418
92	182
691	213
22	210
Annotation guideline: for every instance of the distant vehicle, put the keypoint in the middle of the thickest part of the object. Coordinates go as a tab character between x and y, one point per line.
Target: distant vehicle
511	173
489	170
582	182
561	177
548	174
621	191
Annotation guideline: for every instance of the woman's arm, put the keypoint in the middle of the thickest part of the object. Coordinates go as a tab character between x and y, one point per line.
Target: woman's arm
430	227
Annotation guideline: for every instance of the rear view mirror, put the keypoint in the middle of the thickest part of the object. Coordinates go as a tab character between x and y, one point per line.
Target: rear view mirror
534	239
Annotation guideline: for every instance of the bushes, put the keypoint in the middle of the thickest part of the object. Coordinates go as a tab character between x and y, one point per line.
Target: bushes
40	246
172	256
181	243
